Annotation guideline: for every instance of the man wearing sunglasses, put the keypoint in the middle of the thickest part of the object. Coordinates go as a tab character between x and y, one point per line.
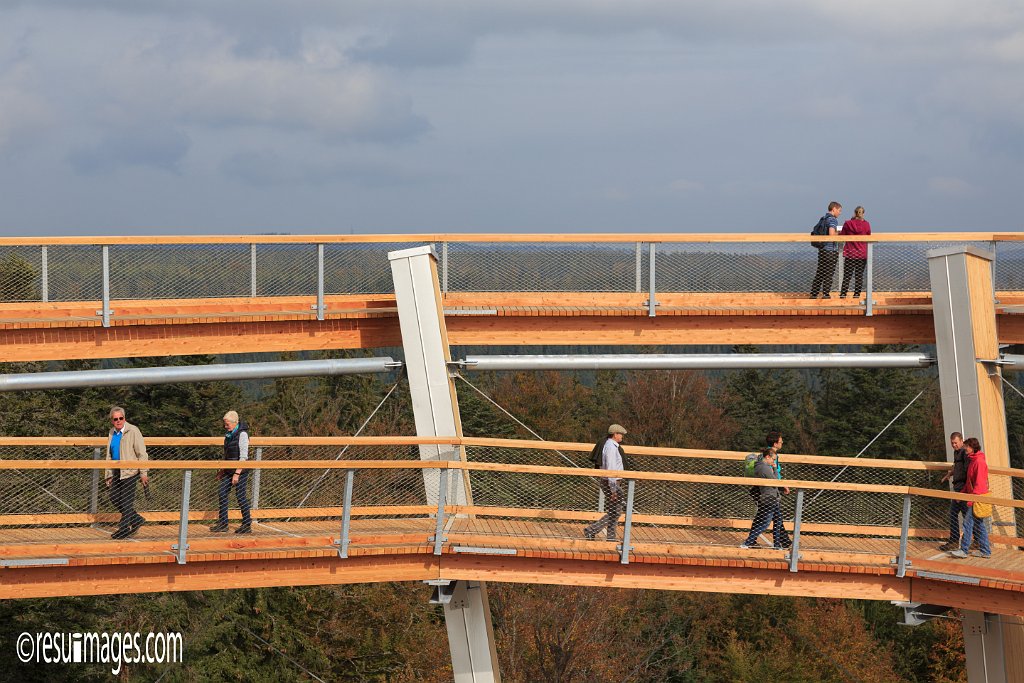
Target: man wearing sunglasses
124	442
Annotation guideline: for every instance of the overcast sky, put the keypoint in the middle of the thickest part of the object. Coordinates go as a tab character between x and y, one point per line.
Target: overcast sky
229	116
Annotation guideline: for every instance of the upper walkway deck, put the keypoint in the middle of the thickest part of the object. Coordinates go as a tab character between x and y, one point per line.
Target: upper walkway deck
82	297
511	511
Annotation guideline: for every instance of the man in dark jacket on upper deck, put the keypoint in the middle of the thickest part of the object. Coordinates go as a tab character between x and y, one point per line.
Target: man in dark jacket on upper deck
236	447
828	254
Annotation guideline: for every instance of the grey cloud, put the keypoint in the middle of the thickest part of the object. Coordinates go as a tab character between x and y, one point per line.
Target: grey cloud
270	169
160	148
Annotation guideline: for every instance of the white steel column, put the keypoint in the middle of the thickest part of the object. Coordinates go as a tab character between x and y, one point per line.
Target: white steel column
436	411
972	403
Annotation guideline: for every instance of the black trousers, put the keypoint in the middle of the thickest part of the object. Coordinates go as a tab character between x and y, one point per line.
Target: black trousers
613	505
224	490
826	271
853	268
122	495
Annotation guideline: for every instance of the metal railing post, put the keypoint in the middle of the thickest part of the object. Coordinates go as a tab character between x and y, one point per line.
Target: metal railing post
444	268
639	267
252	270
626	547
794	550
44	274
901	563
105	311
869	286
256	477
94	494
182	546
319	282
442	492
346	517
651	303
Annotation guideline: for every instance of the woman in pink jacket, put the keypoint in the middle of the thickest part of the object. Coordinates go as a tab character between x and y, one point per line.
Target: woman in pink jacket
855	254
977	483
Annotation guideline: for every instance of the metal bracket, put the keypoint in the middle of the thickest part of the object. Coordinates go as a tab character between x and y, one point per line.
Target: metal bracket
484	551
35	562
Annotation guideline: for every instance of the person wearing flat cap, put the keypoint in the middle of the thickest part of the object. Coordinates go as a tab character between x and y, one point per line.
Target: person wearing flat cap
608	455
236	447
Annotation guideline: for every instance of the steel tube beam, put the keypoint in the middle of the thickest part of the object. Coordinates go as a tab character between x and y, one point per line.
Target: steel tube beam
721	361
194	373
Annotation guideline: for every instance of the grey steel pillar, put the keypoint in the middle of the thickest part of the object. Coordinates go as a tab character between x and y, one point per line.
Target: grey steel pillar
972	403
436	414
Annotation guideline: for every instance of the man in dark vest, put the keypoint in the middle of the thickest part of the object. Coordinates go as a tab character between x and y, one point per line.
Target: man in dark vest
236	447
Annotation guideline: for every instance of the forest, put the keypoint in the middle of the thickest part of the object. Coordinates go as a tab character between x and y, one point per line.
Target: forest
390	632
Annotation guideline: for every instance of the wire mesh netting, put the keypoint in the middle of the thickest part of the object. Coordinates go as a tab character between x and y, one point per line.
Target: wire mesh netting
179	271
20	273
486	267
737	267
510	508
903	266
139	271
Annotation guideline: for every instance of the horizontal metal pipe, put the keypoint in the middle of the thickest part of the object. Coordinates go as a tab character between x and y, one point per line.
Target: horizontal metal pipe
699	361
1012	362
194	373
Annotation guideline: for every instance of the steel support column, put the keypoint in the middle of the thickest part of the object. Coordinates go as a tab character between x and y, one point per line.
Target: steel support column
972	403
436	414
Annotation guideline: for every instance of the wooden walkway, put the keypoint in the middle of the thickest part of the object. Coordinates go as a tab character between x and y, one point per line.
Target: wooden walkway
52	331
523	548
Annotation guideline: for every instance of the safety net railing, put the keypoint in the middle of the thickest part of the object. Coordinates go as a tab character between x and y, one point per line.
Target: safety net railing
99	271
496	495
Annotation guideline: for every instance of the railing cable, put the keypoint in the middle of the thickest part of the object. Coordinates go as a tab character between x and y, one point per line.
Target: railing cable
514	418
343	450
863	450
45	490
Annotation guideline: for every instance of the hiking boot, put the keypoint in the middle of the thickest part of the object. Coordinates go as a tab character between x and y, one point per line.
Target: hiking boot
244	529
958	554
588	534
947	547
978	553
219	527
122	532
753	546
785	546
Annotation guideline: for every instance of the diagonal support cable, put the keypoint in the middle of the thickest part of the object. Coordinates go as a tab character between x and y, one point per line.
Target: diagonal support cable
1010	384
514	418
345	449
45	490
863	450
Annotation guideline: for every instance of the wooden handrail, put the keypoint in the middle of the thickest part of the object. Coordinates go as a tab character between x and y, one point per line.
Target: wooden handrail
693	453
495	467
585	238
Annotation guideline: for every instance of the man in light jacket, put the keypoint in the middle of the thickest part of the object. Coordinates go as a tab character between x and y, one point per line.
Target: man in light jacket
124	442
608	452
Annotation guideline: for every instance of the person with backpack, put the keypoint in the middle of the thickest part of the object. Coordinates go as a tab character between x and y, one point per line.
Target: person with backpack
608	455
855	254
772	440
828	252
769	506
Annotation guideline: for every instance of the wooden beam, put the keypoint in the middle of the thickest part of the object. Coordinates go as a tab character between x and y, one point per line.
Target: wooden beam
46	582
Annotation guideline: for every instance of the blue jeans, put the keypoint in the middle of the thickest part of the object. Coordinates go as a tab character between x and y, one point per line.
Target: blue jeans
770	512
957	508
240	495
975	525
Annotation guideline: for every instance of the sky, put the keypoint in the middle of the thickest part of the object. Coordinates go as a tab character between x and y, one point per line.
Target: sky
131	117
